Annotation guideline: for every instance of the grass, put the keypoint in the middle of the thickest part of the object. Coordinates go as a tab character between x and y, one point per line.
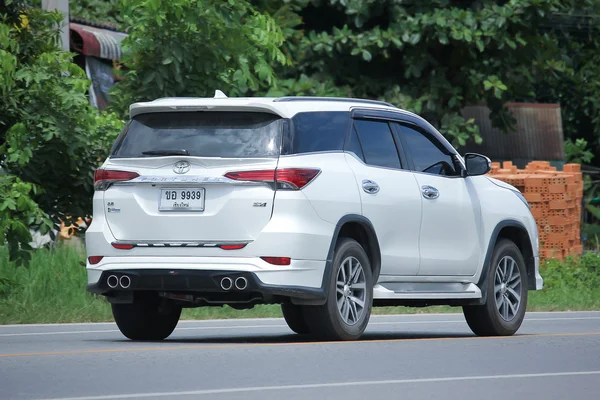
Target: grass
52	290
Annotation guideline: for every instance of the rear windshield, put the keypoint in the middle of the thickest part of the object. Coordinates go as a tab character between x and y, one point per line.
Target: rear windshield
202	134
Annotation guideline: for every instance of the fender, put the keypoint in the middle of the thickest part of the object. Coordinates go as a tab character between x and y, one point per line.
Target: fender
488	256
373	249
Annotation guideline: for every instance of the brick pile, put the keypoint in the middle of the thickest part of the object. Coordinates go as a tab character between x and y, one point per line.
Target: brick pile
555	199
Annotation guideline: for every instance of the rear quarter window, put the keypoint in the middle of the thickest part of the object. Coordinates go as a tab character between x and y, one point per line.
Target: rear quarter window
223	134
310	132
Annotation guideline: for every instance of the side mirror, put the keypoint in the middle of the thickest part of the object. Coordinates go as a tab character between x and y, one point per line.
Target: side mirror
477	164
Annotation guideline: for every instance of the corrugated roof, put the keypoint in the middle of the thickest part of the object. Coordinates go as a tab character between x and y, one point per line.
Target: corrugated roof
538	133
97	42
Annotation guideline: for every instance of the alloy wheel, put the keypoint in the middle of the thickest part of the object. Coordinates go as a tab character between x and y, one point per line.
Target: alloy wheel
507	288
351	290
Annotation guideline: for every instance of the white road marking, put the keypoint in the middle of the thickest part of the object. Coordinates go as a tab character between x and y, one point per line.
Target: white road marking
329	385
461	321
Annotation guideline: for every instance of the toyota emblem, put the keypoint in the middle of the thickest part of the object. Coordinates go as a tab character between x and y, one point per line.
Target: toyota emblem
181	167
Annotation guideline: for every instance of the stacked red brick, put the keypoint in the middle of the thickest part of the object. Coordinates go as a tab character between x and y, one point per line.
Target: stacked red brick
555	200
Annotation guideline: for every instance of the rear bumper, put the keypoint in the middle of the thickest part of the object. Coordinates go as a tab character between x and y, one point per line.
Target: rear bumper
201	276
205	284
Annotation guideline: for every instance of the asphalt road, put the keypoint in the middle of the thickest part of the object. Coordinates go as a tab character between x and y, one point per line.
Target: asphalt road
553	356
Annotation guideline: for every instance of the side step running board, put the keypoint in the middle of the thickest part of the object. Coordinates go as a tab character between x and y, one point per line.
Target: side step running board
426	291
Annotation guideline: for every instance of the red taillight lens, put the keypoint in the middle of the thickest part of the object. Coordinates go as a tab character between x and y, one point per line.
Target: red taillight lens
286	178
253	176
104	177
122	246
278	260
295	178
95	259
232	246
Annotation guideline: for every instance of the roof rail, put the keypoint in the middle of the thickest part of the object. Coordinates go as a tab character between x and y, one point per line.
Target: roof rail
347	99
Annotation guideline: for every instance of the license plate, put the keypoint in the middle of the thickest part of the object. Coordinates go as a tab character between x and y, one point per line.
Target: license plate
184	199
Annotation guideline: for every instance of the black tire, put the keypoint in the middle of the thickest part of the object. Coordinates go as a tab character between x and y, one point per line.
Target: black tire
294	317
486	319
326	321
146	318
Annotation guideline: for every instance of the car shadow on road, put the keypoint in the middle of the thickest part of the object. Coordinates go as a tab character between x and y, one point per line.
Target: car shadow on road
291	338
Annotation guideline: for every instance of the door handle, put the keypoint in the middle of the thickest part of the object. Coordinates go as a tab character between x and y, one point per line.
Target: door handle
429	192
370	186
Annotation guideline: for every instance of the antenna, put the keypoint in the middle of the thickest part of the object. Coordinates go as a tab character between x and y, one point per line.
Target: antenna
219	95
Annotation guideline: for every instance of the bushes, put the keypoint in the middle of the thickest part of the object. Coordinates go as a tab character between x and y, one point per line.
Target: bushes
51	139
52	289
573	284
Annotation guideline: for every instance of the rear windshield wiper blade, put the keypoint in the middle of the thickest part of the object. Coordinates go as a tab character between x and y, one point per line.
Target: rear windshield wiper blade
167	152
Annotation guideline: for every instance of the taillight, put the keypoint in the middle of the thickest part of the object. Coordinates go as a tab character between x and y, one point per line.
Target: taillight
103	178
231	246
122	246
278	260
252	176
286	178
95	259
295	178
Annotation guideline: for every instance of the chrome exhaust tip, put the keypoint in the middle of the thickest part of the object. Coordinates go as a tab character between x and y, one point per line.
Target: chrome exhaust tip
112	281
241	283
125	281
226	283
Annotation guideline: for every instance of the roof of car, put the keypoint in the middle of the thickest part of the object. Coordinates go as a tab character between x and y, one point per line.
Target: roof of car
285	107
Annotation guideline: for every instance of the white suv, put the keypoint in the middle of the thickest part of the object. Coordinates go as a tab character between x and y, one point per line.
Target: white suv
327	206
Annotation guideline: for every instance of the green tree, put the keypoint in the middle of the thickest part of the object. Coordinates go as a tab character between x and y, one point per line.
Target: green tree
577	89
432	57
96	10
50	138
435	56
191	48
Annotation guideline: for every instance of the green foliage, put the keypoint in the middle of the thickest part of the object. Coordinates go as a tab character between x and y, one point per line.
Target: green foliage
591	234
191	48
573	284
579	272
96	10
432	57
592	205
19	213
577	151
307	86
577	89
50	137
52	289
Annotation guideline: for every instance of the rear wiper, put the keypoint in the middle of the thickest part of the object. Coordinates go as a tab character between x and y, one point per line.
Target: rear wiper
181	152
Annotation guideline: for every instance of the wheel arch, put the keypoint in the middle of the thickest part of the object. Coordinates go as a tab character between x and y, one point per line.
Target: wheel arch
359	228
516	232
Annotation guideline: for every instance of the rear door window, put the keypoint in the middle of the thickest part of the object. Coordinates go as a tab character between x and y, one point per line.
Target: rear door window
223	134
354	145
378	144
